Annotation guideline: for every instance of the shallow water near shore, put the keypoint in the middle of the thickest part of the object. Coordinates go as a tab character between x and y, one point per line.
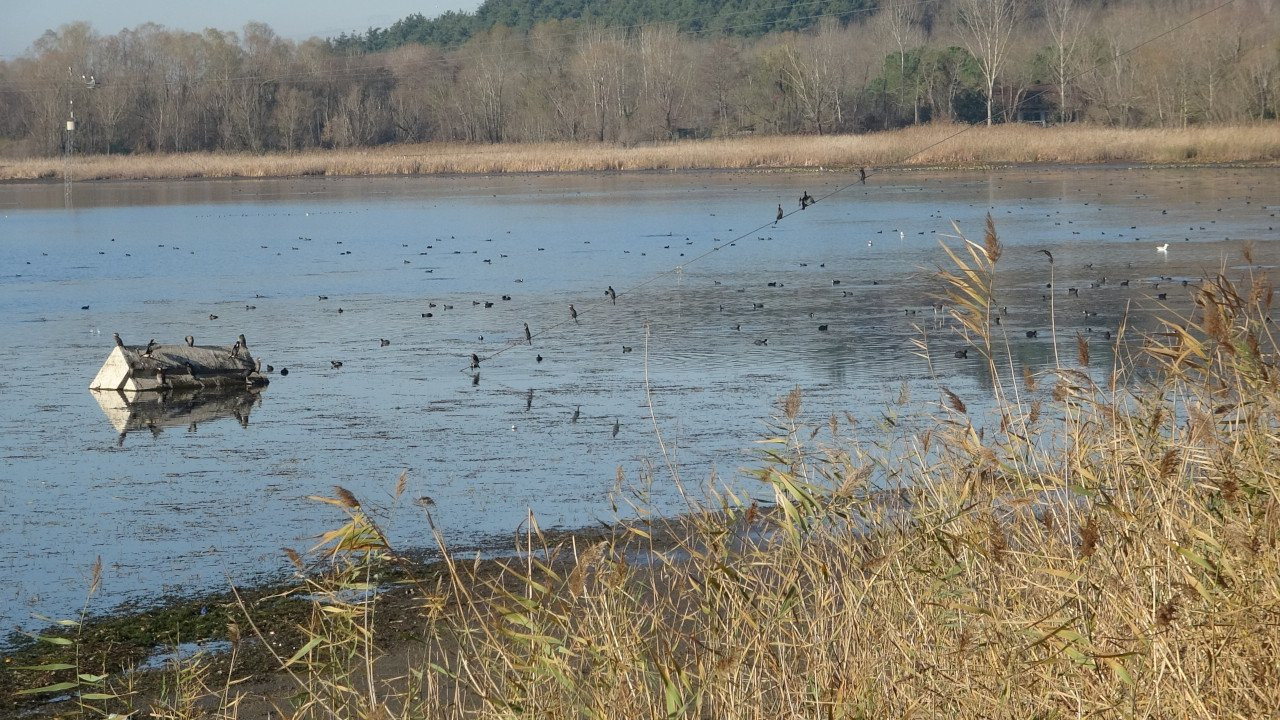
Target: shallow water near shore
179	506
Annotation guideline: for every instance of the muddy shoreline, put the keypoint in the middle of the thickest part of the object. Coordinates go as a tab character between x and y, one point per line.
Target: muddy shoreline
230	629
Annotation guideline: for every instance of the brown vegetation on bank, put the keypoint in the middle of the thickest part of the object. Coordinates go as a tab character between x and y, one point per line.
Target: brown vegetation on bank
952	146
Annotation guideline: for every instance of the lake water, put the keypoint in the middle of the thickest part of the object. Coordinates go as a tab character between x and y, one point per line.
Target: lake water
181	506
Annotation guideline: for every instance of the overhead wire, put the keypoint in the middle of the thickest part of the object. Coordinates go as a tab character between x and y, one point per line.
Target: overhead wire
593	305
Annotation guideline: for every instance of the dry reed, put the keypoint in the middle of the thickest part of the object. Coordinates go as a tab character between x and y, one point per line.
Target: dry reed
923	146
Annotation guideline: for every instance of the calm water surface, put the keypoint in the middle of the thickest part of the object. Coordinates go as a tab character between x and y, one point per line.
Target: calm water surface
207	495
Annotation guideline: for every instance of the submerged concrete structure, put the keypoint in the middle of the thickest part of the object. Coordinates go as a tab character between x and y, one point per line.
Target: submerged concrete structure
161	368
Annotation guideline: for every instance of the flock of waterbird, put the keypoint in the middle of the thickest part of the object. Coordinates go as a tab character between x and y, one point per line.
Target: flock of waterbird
573	317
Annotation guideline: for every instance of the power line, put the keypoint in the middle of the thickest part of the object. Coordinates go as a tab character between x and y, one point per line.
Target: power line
716	248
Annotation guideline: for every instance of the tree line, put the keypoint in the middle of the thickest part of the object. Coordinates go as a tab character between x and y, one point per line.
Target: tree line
154	89
746	18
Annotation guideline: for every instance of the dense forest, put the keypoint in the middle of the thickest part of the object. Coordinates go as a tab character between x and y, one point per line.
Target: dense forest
632	72
747	18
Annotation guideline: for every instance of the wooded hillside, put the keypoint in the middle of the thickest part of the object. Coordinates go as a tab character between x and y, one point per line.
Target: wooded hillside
715	69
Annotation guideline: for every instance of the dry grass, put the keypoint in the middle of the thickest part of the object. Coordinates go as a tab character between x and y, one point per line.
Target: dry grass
1104	543
998	145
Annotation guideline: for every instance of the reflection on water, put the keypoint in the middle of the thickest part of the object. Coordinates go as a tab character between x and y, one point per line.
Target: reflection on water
129	411
322	270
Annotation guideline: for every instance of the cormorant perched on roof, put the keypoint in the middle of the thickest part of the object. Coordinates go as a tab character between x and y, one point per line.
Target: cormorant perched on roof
119	342
191	341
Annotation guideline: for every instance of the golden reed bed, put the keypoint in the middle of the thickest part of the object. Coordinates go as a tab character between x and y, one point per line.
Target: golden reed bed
926	146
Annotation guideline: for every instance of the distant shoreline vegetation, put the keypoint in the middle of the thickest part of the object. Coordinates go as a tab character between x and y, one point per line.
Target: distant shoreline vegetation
644	72
930	146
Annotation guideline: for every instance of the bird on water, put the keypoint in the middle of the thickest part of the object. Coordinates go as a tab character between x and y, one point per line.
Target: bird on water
1163	249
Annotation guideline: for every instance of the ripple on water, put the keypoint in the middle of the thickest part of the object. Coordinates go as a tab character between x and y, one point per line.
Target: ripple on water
186	505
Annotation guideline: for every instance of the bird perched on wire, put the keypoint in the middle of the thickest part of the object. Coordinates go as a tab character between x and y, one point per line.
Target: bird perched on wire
862	175
528	336
573	313
806	200
780	213
614	296
475	361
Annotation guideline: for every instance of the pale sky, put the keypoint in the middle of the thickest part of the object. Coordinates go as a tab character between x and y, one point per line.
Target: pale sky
23	21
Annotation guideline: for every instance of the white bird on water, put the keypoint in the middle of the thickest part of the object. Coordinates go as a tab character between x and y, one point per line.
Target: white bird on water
1163	249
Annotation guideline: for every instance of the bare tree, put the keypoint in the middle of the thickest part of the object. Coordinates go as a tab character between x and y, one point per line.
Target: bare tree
664	74
900	20
987	27
601	65
1065	21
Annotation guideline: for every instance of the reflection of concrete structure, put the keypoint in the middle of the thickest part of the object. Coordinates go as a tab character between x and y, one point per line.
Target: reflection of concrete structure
129	410
169	367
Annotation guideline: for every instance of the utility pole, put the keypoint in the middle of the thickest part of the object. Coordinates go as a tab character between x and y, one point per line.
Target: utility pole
68	145
69	137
